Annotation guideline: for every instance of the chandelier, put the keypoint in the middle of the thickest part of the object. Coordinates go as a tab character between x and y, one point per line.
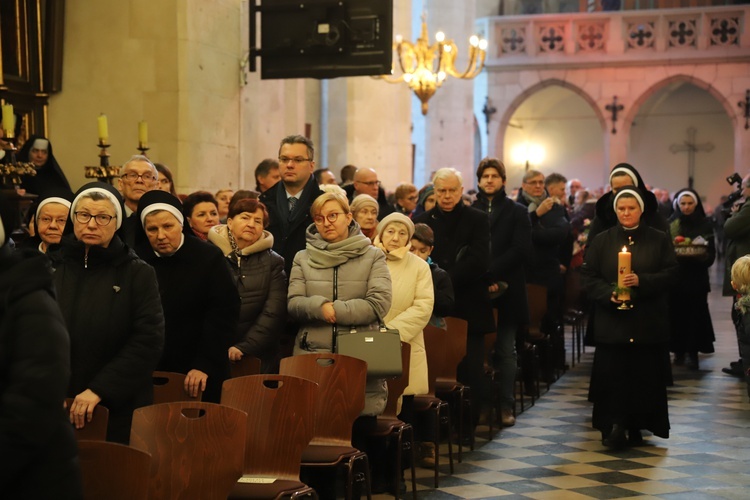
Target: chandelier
424	67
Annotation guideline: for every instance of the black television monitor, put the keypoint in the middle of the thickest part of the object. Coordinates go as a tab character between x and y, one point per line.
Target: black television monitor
325	38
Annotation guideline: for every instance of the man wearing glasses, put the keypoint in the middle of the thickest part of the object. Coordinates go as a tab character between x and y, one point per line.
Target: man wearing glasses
366	182
139	176
288	202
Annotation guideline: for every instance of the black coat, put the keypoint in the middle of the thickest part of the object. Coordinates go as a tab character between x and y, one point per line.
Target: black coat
39	455
201	306
462	248
548	233
606	217
111	305
48	177
510	250
653	260
442	287
289	229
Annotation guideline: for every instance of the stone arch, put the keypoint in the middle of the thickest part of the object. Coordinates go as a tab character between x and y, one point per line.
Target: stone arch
528	92
656	87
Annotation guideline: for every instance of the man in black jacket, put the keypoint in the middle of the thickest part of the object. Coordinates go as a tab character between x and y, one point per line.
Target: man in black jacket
288	202
510	248
366	182
462	247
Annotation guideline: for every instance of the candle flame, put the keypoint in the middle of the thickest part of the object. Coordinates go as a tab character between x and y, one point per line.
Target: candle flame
625	249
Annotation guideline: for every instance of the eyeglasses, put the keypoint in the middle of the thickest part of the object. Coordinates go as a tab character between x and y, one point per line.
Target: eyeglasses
297	160
332	217
535	183
444	191
101	219
412	198
132	176
370	183
48	220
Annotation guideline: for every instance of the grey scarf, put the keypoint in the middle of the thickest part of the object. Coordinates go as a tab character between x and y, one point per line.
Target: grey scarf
324	255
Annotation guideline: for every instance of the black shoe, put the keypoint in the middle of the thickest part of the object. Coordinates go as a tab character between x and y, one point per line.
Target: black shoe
692	362
734	369
616	438
635	438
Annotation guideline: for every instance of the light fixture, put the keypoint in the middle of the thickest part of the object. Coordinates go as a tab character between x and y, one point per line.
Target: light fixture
528	154
425	67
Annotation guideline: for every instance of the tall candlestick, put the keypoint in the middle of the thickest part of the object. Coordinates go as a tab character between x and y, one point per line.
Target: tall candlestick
101	123
143	133
9	121
623	269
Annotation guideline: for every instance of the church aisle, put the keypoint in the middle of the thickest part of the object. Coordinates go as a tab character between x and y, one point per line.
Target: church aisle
553	452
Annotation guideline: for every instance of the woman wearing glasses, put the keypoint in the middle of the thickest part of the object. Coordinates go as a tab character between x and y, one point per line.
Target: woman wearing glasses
110	301
336	246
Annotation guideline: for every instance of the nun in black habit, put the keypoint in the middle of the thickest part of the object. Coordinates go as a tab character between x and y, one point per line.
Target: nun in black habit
200	301
49	175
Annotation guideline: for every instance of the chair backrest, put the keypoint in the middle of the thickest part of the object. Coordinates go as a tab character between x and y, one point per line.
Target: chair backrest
248	365
169	387
197	449
455	347
396	386
341	381
113	471
537	297
96	430
280	421
434	345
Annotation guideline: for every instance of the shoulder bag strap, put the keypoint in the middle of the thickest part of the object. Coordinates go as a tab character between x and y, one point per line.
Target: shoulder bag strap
335	328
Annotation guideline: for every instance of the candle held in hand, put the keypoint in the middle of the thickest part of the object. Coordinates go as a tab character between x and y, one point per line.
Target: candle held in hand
101	123
142	133
623	269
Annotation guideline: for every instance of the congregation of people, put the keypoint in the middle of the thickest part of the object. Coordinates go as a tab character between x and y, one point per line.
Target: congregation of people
114	282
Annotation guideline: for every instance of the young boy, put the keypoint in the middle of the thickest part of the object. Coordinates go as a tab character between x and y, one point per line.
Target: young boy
422	244
741	283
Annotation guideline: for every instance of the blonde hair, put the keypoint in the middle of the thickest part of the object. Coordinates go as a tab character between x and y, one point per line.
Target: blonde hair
741	274
321	200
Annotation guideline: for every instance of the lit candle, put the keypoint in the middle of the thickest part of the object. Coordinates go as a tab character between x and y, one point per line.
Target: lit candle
9	121
101	122
623	269
142	133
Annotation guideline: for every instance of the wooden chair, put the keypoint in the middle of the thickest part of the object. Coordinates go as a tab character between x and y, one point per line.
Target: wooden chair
341	380
169	387
447	387
389	425
248	365
574	313
197	449
113	471
280	424
96	430
429	404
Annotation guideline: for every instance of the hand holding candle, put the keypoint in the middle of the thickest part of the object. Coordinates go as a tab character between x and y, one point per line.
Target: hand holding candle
101	123
142	133
623	269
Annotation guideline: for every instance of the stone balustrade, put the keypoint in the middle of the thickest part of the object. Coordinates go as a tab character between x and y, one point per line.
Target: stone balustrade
575	40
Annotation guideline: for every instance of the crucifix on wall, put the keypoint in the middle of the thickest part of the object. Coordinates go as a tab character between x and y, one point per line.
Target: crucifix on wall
692	147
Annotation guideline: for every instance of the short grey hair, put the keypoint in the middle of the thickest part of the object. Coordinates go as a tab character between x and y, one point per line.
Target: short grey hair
143	159
446	173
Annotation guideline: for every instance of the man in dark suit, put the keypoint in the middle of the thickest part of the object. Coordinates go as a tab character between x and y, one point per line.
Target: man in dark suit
366	182
462	248
288	202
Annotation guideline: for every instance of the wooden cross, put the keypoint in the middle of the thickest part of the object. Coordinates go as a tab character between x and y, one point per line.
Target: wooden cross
691	147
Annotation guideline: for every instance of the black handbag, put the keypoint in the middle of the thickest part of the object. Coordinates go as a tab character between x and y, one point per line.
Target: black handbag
379	347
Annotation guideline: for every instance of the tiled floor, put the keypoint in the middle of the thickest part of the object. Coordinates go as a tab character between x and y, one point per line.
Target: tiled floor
553	452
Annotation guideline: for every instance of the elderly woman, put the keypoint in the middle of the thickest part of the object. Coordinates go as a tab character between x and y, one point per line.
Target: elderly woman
413	296
258	275
692	329
199	299
110	301
49	216
629	376
336	247
202	212
365	211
